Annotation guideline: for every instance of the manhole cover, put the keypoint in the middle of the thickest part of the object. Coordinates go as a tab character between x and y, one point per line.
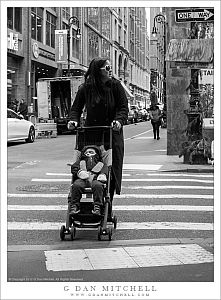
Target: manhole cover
45	188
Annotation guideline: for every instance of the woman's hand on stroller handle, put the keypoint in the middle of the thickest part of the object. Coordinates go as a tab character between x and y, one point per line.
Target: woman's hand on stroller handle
116	125
72	125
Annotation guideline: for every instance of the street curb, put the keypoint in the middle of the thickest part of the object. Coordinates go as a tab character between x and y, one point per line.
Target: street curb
206	243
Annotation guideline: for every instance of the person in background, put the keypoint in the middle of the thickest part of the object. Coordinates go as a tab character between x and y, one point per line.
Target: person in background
106	104
23	109
155	117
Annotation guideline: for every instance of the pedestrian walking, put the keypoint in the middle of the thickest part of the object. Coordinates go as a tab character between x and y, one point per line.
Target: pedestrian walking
23	109
106	104
155	117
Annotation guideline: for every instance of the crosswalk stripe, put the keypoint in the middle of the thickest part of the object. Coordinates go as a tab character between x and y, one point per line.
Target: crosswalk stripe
120	226
146	174
127	180
116	208
123	196
162	187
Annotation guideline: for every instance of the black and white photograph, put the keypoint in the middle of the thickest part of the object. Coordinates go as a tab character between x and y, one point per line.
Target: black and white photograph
110	150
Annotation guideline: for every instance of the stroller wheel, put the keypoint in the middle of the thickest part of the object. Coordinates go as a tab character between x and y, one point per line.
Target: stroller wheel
62	232
99	233
73	232
115	222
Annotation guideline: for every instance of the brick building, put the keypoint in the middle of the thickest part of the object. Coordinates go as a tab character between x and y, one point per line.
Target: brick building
117	33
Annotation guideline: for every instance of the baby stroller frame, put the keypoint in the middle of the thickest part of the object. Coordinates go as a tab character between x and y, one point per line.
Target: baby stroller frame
99	136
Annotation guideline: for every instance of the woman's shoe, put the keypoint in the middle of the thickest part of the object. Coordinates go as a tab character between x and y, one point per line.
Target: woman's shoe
158	137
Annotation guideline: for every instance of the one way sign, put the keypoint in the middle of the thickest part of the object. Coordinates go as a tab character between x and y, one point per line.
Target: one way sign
193	15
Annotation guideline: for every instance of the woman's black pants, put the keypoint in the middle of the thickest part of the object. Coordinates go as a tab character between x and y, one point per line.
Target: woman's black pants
156	128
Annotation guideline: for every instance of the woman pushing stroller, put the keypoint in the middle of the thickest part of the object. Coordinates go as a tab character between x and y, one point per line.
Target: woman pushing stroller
106	104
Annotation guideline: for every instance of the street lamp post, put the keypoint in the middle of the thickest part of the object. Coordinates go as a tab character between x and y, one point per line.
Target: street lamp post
161	19
72	21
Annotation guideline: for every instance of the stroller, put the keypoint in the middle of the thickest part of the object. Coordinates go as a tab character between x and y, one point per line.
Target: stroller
100	136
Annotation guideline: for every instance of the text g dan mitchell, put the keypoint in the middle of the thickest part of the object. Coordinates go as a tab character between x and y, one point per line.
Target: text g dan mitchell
109	288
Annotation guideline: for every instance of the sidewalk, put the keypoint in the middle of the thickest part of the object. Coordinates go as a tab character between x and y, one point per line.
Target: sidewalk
157	154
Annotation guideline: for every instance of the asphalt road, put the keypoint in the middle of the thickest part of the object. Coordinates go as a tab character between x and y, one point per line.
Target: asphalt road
154	209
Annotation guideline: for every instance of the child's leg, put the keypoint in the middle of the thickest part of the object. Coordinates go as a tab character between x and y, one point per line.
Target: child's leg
77	189
98	190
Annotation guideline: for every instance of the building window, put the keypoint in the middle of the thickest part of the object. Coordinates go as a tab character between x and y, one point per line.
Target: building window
66	13
50	30
105	48
93	17
93	45
11	88
14	18
65	26
36	23
76	11
75	45
119	34
105	22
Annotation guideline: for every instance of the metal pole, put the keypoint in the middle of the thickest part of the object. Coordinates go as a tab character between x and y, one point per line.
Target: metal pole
72	20
68	42
164	71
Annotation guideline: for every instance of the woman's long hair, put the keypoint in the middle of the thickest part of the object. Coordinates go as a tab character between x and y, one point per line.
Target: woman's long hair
93	77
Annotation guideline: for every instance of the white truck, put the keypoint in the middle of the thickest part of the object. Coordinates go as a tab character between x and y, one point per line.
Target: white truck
54	99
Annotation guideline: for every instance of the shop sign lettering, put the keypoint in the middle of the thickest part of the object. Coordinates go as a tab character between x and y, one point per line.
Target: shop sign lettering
198	14
46	54
206	76
13	41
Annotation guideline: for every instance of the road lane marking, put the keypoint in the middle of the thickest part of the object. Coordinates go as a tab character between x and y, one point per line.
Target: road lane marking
125	257
120	226
134	136
123	196
116	208
127	180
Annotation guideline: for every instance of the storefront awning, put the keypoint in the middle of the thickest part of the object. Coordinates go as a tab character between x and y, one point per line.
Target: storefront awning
191	50
127	90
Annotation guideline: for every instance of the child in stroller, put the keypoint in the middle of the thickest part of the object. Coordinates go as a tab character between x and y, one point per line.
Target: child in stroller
91	175
89	171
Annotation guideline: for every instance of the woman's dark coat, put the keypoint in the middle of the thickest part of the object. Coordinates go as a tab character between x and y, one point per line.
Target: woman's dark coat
112	106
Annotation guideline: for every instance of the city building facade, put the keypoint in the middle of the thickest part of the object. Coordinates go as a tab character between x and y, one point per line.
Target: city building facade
119	34
157	54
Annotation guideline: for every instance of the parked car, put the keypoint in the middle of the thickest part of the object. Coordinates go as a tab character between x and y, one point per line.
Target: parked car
19	128
138	114
131	116
145	114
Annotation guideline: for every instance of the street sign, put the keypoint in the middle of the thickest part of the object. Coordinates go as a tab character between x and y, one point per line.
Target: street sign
195	15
